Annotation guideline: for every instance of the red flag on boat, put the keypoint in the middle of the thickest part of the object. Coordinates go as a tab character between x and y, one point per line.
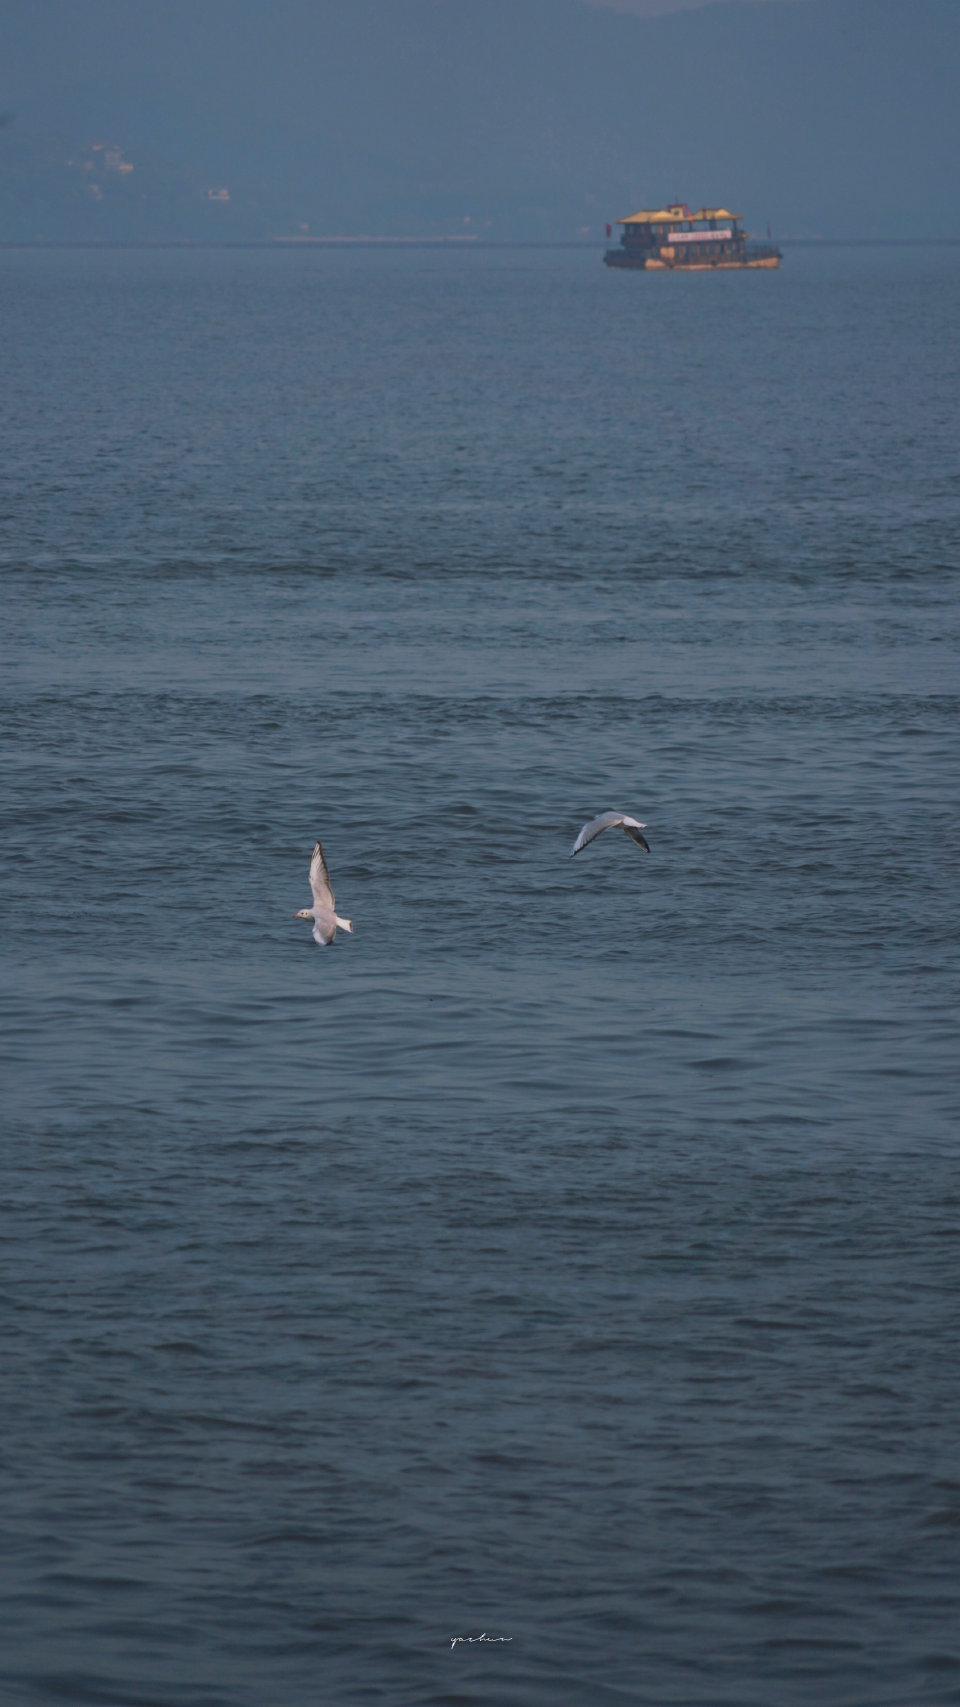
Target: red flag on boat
609	230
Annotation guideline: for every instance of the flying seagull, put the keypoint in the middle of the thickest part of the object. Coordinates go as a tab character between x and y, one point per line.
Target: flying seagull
325	920
607	821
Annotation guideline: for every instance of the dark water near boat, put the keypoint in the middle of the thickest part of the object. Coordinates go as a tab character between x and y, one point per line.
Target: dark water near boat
571	1255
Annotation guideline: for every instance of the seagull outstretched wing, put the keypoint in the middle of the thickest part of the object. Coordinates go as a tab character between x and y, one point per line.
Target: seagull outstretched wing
608	821
320	880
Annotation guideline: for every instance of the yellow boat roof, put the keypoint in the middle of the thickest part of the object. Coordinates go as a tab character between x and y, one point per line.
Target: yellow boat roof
673	215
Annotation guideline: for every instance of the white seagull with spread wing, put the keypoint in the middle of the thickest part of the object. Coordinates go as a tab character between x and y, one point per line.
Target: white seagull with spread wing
325	920
607	821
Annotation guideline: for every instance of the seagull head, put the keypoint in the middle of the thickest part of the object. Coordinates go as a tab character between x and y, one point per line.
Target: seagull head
305	913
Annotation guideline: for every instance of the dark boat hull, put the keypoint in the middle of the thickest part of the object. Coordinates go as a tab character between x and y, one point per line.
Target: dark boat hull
652	262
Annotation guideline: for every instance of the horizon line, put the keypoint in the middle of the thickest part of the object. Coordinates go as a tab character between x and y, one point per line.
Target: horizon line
452	242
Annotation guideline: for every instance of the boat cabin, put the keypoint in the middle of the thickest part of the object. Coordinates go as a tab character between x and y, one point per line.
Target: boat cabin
671	237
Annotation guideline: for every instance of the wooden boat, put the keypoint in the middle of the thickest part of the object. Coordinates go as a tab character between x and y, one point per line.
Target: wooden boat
675	239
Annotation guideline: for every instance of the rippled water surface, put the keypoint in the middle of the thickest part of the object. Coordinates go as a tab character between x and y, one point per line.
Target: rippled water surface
570	1256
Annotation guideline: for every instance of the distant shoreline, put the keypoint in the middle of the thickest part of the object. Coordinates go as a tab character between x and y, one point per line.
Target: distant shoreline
467	243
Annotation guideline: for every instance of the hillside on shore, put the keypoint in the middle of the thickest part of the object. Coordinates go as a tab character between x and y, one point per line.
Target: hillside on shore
167	119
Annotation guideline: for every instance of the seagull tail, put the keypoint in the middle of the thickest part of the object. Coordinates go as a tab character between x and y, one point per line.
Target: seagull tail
345	925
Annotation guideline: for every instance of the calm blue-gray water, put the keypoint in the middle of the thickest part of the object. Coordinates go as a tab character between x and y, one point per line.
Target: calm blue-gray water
572	1255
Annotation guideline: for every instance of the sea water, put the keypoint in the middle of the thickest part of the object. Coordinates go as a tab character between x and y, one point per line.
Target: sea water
570	1257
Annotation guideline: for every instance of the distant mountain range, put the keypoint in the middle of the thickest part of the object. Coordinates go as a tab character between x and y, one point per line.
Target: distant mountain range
166	119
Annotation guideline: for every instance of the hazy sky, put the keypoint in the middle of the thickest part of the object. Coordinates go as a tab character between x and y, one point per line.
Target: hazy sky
836	118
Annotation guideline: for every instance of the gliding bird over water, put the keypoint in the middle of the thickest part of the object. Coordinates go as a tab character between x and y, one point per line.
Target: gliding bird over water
608	821
325	920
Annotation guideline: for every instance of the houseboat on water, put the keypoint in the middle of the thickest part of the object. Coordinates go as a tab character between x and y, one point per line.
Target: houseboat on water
667	239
